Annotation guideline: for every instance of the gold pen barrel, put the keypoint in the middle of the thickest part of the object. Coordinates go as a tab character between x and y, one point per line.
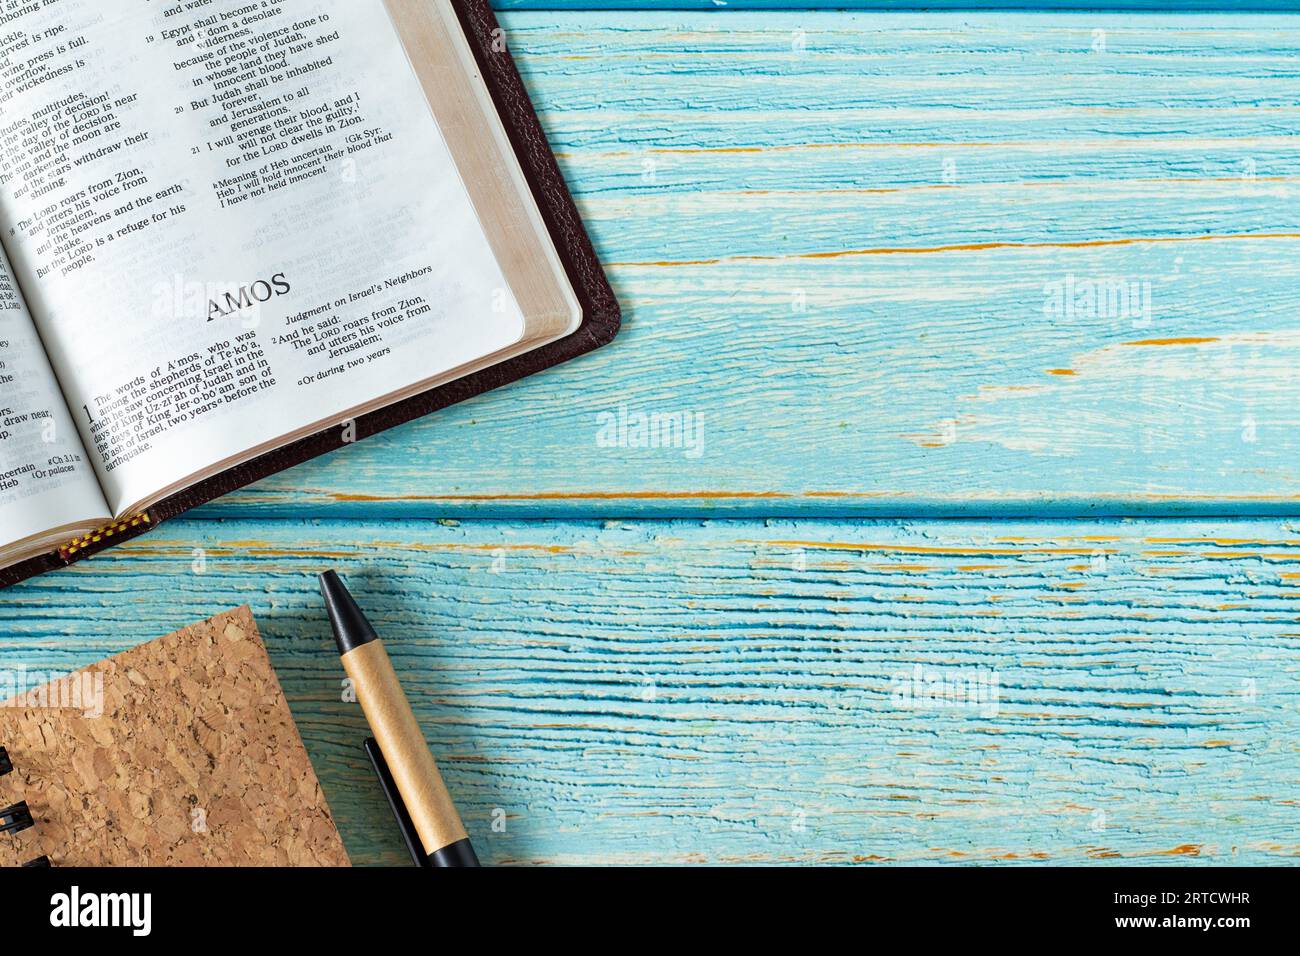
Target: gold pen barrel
405	751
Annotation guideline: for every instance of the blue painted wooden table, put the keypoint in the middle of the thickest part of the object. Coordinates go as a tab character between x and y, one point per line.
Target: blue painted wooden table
977	333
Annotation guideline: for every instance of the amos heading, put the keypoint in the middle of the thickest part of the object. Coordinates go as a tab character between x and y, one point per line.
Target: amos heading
247	296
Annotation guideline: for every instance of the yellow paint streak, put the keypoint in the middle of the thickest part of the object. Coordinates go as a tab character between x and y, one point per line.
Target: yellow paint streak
1107	143
1219	541
1061	371
960	247
993	185
715	495
919	549
1227	555
1189	340
156	548
587	496
1186	849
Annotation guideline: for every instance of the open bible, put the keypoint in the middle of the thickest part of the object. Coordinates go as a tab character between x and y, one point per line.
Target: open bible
238	234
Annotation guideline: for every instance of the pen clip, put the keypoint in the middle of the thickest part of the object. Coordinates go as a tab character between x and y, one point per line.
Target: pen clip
389	786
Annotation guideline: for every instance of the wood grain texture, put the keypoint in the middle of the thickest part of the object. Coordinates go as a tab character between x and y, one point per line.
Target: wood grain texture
679	689
843	239
726	691
947	6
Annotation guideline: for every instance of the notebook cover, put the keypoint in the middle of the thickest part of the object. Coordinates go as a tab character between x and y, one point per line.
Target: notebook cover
600	309
181	752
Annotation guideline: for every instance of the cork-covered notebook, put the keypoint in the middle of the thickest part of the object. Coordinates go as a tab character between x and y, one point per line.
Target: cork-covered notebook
181	752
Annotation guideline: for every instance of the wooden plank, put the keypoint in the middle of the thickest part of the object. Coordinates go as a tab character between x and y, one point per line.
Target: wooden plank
732	691
958	6
848	240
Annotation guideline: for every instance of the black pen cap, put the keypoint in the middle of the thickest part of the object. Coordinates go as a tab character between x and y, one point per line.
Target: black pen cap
351	629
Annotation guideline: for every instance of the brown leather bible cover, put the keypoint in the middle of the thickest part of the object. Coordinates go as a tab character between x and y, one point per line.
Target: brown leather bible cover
600	310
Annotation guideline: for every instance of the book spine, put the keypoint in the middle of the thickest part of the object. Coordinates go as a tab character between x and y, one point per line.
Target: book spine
88	544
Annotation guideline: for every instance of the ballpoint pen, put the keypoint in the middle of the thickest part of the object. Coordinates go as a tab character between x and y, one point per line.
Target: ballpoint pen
430	825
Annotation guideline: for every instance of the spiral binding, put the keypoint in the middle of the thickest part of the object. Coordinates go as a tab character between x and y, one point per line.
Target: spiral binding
17	818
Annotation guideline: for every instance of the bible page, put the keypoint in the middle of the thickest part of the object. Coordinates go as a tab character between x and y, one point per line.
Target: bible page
48	490
233	220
